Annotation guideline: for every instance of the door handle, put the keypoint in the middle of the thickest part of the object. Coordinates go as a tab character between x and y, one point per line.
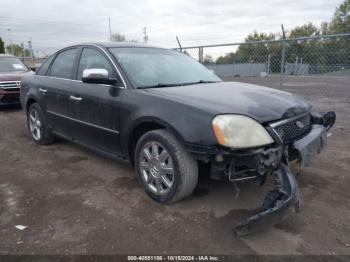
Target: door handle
75	98
42	90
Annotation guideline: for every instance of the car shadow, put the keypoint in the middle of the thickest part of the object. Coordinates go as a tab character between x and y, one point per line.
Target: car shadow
10	108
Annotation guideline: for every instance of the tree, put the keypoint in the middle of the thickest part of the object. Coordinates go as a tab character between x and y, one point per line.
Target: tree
321	55
305	30
208	59
254	53
340	22
17	50
118	37
2	46
308	49
255	36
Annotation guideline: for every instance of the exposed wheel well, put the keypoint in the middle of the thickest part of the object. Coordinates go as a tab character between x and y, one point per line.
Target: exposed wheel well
137	132
29	102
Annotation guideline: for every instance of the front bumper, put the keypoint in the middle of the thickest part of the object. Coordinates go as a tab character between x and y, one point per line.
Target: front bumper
286	194
9	97
276	203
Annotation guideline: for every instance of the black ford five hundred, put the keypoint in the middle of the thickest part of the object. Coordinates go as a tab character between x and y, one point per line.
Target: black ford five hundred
166	114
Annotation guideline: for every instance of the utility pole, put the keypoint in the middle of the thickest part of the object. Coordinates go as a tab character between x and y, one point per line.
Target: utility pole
10	38
145	36
200	55
23	52
31	49
110	28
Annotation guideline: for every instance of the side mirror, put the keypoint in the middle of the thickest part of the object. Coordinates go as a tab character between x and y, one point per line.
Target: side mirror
97	76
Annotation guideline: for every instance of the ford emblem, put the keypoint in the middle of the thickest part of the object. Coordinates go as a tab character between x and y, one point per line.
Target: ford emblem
299	124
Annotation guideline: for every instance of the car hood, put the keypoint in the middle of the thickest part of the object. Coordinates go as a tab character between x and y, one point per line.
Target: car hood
15	76
261	103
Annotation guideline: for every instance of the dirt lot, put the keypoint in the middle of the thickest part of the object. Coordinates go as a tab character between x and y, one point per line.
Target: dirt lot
76	202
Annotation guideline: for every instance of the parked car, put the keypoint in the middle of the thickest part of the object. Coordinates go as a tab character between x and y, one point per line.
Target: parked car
11	71
166	113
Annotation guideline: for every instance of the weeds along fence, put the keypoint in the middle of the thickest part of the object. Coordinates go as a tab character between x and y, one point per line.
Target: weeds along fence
314	55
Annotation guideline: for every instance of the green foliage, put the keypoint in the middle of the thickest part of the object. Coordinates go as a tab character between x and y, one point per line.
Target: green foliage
322	55
341	19
255	36
305	30
121	38
117	37
208	59
2	46
17	50
255	53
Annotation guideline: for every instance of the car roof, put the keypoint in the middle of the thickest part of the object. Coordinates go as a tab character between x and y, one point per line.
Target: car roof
121	44
111	45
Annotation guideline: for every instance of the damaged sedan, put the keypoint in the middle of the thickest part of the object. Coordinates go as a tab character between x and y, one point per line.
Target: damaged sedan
166	114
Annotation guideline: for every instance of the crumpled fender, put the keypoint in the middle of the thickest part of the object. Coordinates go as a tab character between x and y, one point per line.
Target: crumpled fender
276	203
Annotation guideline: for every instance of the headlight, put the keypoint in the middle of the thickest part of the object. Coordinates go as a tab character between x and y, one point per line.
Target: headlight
239	131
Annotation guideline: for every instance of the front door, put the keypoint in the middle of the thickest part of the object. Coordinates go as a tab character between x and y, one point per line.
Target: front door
96	106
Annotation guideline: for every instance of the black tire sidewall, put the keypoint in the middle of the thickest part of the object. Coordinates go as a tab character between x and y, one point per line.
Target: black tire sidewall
151	136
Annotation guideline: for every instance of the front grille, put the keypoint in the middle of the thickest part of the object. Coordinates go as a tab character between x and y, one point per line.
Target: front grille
293	129
10	85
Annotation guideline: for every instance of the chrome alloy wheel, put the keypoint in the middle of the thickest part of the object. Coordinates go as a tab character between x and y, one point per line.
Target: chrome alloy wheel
35	124
156	166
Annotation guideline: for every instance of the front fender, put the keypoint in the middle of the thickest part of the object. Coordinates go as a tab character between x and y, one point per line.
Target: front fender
190	124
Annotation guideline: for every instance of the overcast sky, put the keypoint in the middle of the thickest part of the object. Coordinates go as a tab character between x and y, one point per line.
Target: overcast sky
53	24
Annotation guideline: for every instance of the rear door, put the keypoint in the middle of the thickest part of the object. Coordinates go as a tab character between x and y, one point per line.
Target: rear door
96	106
54	90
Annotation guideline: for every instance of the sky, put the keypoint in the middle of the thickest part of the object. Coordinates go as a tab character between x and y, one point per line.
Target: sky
54	24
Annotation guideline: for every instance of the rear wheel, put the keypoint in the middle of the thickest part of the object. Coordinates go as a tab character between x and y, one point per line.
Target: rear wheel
166	170
38	126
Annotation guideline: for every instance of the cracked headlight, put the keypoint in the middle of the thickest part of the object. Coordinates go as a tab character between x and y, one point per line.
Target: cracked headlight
238	131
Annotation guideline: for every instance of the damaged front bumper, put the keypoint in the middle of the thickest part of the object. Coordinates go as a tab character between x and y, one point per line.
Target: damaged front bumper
286	194
275	162
276	203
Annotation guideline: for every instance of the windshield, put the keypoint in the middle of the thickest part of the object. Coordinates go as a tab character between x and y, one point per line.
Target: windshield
155	67
11	64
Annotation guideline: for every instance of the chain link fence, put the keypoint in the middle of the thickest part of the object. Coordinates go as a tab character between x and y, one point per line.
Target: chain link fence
304	56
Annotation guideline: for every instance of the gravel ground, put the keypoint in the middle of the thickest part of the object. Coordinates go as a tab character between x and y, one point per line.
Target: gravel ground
76	202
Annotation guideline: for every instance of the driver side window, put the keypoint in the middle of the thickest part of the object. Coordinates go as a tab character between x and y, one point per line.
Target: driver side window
92	58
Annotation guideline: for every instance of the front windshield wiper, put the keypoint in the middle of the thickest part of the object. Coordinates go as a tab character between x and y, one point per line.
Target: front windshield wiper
199	82
178	84
158	85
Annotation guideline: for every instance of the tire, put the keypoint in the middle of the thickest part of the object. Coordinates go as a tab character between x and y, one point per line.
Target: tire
184	176
38	126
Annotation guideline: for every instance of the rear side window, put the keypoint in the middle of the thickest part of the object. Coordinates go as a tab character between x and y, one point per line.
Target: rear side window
63	66
43	68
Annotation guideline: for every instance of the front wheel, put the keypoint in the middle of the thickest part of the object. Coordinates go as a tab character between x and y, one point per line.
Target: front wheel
166	170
